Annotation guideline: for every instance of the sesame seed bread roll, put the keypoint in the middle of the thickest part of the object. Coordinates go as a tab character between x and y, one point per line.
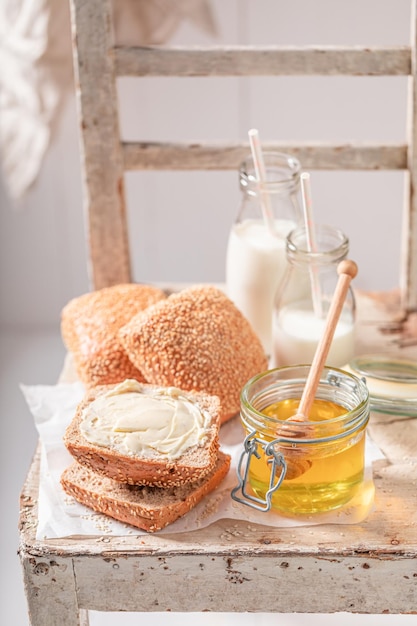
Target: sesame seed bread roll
89	327
147	508
143	466
197	340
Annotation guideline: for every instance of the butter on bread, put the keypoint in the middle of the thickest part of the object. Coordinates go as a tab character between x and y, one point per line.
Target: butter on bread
197	340
147	508
90	325
152	467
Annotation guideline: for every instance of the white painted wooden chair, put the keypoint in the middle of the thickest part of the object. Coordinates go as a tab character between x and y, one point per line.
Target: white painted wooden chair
368	567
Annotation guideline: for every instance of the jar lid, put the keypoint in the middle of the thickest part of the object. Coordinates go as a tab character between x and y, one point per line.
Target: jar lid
392	383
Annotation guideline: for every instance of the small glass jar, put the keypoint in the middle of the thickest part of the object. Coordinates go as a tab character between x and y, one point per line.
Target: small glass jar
300	468
303	299
255	259
391	380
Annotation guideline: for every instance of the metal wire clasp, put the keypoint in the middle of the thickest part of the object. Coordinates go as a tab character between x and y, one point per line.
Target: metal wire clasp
250	448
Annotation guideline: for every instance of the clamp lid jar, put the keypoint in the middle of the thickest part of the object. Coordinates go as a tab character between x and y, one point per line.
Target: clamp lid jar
302	467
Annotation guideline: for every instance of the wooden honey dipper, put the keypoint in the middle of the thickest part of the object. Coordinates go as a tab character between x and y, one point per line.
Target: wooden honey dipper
296	463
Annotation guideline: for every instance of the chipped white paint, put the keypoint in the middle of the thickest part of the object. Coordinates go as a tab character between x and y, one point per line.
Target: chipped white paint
50	591
232	583
367	568
192	156
101	157
263	61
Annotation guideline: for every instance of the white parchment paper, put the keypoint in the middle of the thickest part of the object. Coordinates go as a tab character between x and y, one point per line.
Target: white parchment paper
60	515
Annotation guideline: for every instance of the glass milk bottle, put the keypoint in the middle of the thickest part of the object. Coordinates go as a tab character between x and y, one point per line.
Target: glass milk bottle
303	298
255	260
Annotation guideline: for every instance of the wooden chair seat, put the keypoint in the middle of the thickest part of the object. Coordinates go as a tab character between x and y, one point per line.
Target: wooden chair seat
235	566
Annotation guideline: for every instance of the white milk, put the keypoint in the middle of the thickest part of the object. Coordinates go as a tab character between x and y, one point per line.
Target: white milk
297	332
255	265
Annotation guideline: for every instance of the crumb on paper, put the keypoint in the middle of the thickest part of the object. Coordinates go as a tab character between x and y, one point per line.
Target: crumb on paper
229	533
100	521
211	506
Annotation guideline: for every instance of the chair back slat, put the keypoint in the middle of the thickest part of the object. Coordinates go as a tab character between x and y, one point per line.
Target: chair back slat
105	157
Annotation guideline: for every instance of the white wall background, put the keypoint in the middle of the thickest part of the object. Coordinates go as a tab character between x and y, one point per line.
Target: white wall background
180	221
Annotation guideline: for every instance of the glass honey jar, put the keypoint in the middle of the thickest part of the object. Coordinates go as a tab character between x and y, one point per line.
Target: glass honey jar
301	468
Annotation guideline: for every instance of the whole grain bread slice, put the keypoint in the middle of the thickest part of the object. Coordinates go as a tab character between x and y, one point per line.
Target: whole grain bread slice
147	508
156	470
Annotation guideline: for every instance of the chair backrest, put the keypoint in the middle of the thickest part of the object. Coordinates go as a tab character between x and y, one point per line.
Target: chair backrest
105	158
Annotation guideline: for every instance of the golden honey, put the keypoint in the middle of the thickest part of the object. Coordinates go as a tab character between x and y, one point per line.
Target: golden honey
324	459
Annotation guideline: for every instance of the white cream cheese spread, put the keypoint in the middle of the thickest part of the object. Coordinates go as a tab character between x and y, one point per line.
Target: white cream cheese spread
137	421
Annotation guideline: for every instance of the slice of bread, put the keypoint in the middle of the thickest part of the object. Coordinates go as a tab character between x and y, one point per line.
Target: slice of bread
154	468
89	327
196	340
147	508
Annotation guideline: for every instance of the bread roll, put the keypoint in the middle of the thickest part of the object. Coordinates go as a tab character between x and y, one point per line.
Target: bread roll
90	324
196	340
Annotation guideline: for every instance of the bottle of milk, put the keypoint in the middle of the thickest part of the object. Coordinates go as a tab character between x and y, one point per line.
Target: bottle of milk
256	257
303	298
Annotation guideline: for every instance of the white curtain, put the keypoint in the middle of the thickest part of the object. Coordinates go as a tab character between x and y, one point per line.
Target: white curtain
36	68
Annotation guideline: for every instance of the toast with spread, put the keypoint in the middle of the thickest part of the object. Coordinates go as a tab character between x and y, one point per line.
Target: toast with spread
142	434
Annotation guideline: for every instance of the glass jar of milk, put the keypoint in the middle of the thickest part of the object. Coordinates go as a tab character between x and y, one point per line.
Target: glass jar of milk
256	259
303	298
